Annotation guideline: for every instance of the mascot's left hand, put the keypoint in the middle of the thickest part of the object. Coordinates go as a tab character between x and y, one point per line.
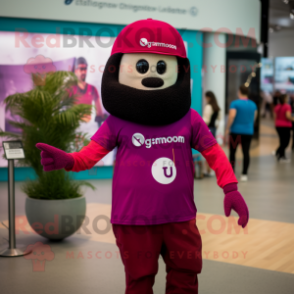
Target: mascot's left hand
234	200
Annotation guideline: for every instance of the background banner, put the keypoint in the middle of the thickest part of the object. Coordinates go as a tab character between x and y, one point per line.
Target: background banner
19	60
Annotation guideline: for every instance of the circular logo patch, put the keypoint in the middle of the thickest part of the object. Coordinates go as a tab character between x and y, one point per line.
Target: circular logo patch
143	42
138	139
164	170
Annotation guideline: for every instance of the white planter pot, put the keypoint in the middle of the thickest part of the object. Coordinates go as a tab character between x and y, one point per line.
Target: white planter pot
56	219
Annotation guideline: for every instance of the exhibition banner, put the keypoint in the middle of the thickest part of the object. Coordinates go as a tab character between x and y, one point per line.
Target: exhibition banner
284	74
267	75
18	63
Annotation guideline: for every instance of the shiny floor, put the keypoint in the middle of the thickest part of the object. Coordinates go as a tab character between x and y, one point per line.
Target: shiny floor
257	260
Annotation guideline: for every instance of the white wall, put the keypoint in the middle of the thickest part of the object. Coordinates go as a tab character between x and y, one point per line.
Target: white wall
223	15
281	43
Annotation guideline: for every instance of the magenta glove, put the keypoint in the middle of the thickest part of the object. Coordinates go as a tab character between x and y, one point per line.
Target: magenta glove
53	158
234	200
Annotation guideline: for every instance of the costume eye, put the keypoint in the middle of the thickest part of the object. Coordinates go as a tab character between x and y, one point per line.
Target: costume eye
161	67
142	66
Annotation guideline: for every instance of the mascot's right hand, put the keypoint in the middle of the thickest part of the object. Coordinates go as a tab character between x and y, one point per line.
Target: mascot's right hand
53	158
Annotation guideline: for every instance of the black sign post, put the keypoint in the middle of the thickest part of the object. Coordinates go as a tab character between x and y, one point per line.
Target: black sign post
13	150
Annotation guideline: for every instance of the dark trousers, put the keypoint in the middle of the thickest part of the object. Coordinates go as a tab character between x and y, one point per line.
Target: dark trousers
245	141
178	243
284	136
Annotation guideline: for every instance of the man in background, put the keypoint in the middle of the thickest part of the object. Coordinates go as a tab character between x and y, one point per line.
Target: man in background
86	93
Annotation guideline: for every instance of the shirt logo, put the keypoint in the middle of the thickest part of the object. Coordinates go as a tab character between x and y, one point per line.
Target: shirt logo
164	170
144	42
138	139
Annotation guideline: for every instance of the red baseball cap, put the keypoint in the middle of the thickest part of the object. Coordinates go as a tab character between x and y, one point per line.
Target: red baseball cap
150	36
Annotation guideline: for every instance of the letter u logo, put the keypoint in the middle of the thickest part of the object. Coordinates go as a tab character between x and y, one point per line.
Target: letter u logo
165	172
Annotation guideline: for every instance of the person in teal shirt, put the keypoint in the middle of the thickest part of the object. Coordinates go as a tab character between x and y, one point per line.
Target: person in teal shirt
240	126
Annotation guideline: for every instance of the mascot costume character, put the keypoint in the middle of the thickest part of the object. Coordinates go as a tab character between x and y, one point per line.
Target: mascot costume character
146	90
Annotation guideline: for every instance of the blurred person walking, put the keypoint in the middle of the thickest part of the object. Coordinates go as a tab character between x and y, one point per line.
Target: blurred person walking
283	122
267	101
276	98
211	116
240	127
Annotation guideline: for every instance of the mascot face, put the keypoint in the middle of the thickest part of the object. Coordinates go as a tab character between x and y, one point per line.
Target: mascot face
147	77
148	71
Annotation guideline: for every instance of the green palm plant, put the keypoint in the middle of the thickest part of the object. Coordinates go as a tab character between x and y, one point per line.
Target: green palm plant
48	115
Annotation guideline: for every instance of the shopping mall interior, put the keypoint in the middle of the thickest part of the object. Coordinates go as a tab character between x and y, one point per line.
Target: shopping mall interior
107	166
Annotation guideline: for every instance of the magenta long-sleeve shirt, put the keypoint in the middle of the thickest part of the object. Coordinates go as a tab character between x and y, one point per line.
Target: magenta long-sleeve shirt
153	176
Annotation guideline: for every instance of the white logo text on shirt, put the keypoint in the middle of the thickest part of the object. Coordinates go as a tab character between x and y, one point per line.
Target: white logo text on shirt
156	141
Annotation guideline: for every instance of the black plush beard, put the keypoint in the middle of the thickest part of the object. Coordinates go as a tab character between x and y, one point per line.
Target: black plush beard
146	107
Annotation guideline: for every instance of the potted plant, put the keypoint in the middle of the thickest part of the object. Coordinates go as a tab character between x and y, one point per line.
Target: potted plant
55	206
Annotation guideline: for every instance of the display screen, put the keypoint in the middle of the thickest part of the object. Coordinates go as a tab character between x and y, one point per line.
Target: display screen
284	74
267	74
22	54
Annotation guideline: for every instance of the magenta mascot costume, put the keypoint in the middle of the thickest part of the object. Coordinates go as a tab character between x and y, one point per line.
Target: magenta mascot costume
146	90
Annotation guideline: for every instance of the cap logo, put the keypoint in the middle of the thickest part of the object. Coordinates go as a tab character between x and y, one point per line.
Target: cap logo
144	42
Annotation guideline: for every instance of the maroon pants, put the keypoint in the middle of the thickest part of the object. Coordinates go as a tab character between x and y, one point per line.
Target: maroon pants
178	243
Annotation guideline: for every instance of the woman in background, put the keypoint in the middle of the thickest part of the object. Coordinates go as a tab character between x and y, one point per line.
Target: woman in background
211	113
283	123
211	116
240	126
